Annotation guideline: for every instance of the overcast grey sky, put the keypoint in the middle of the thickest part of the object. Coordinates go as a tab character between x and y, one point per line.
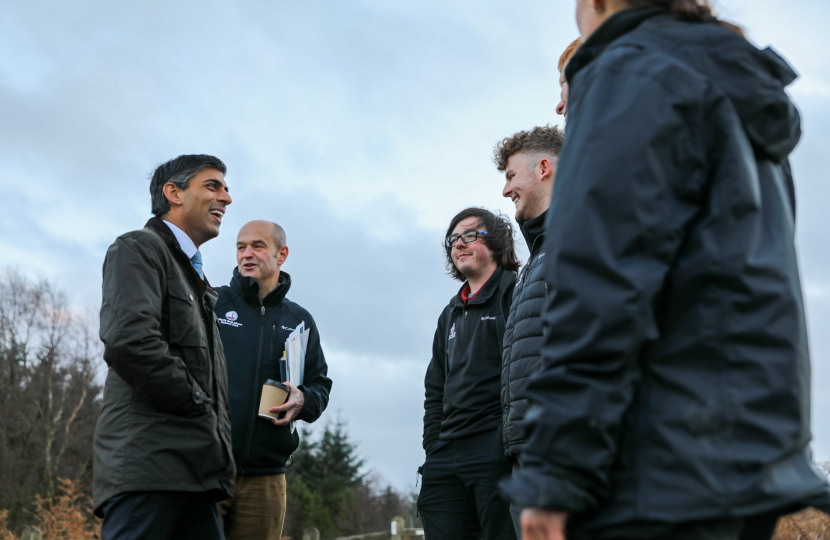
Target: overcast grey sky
360	126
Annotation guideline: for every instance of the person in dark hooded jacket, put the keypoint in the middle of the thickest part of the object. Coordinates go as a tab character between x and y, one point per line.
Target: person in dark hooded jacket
673	400
256	318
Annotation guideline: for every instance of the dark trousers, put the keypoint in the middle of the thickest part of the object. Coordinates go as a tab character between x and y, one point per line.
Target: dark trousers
161	515
515	510
459	497
754	528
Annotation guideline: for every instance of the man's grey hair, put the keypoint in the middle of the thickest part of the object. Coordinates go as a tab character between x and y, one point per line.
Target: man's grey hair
279	236
179	171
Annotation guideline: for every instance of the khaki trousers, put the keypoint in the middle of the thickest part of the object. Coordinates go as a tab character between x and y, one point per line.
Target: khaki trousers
257	509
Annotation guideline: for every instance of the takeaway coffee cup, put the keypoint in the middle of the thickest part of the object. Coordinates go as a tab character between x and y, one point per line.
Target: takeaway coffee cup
273	395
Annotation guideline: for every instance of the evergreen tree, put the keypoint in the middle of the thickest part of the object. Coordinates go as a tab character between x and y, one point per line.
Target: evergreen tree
328	489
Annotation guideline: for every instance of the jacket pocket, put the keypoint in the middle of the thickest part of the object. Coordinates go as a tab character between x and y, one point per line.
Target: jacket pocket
185	317
187	335
271	365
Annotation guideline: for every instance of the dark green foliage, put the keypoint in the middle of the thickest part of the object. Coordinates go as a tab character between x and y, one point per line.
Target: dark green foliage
328	489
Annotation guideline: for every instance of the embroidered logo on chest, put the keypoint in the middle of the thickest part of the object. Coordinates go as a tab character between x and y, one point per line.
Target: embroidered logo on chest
230	319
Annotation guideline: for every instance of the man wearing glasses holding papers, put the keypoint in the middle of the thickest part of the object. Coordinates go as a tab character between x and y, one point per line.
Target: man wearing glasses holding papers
462	411
256	319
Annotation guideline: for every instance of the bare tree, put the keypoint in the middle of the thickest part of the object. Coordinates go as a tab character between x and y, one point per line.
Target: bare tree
49	402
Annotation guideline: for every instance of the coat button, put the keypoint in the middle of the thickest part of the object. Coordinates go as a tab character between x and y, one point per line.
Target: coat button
190	296
198	394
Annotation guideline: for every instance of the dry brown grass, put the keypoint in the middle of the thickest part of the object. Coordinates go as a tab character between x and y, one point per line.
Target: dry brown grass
808	524
5	533
69	515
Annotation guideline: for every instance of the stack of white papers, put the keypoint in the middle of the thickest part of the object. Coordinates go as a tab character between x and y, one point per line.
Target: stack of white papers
295	347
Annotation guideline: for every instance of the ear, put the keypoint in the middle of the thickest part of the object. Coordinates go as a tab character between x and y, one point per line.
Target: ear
546	169
282	254
173	194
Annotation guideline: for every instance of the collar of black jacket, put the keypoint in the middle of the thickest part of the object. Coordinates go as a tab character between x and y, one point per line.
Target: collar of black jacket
616	26
249	289
160	227
533	229
484	294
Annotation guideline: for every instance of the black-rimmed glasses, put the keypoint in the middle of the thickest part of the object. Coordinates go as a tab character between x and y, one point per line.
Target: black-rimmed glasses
467	236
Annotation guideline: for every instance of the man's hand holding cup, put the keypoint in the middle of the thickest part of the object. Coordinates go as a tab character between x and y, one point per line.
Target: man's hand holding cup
291	408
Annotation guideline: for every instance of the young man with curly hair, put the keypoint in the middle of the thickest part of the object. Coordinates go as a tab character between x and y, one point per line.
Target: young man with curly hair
528	160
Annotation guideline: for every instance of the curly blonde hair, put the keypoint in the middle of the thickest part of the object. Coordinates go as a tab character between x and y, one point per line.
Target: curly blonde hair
539	140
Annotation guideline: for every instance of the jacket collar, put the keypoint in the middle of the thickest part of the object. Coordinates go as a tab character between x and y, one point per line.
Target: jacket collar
533	229
158	226
484	294
249	289
616	26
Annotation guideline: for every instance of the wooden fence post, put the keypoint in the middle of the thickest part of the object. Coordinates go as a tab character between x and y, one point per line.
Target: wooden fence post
397	525
31	534
312	533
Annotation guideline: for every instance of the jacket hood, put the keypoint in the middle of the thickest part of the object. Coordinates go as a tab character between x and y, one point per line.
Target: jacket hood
249	289
754	80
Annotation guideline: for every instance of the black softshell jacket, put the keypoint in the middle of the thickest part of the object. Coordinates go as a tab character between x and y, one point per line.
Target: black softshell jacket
523	335
675	383
253	334
463	378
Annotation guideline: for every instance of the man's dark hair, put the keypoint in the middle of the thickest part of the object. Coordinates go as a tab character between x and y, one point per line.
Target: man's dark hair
499	238
179	171
544	141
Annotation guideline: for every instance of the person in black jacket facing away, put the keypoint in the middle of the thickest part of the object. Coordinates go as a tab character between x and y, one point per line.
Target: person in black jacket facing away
464	457
255	319
528	160
673	400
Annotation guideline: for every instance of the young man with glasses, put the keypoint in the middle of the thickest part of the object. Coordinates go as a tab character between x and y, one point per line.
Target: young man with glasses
462	411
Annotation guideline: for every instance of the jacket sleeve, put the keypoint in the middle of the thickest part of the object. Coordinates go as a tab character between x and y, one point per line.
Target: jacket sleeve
628	184
316	384
434	384
134	347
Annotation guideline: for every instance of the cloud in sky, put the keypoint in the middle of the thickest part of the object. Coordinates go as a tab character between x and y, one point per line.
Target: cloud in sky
361	128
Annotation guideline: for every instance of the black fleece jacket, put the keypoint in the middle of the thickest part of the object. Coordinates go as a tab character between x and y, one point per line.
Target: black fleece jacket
462	397
253	335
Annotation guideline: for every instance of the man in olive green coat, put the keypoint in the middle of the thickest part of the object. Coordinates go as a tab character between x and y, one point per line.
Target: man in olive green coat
162	451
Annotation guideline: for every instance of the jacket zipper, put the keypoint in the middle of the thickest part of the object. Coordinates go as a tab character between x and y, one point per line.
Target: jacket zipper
255	405
273	346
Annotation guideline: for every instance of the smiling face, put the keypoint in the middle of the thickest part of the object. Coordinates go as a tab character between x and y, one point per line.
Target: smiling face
199	209
528	185
258	254
474	259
